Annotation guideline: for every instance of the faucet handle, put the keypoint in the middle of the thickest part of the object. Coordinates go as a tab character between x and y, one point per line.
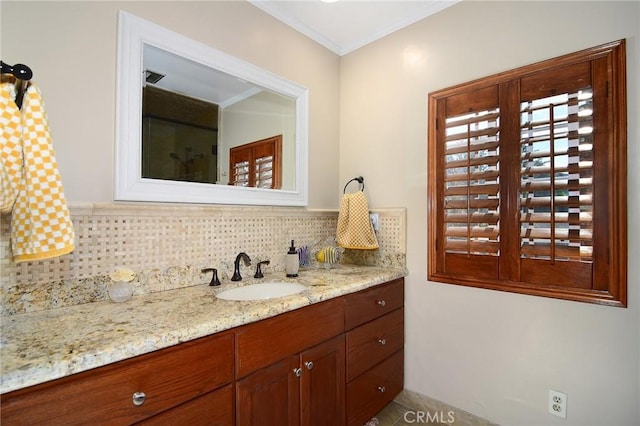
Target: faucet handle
259	273
214	280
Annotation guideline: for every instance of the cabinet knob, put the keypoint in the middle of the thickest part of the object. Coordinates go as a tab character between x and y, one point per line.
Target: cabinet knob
297	371
309	365
382	341
139	398
382	389
381	303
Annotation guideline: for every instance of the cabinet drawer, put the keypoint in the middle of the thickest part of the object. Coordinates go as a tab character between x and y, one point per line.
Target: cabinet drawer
214	408
168	378
372	342
370	392
374	302
265	342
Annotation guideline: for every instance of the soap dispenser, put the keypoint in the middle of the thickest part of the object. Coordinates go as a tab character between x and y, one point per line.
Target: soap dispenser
292	262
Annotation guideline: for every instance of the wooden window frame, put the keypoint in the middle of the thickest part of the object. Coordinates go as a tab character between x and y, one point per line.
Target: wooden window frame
608	267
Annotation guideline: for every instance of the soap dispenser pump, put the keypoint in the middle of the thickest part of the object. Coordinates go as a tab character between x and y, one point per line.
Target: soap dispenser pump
292	262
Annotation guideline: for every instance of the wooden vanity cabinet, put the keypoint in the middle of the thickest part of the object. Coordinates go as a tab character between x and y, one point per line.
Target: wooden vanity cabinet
353	376
291	368
172	378
375	349
333	362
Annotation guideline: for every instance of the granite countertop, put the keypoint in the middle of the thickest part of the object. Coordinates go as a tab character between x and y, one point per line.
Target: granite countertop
41	346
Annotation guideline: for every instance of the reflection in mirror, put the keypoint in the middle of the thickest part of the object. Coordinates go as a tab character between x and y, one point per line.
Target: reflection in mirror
197	125
179	137
197	115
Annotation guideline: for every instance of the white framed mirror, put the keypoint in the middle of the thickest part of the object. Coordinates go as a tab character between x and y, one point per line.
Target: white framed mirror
251	104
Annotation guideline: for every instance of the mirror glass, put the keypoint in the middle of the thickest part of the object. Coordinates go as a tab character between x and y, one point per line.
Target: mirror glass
197	125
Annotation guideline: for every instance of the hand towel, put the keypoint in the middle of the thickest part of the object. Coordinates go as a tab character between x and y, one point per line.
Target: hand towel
354	226
41	226
10	147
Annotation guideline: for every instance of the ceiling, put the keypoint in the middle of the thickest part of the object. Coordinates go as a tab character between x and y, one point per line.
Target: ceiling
346	25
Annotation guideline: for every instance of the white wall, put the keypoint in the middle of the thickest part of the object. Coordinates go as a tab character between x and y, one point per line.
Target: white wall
71	48
492	353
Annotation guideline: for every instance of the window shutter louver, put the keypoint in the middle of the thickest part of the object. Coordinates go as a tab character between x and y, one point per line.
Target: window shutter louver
264	172
471	195
241	173
556	178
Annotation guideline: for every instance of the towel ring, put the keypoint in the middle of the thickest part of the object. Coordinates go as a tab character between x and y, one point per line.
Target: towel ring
359	179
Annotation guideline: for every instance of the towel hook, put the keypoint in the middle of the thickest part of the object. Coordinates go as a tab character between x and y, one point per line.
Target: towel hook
359	179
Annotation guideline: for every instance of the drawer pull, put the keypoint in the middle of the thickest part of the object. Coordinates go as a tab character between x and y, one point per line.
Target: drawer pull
381	389
139	398
309	365
297	371
382	341
381	303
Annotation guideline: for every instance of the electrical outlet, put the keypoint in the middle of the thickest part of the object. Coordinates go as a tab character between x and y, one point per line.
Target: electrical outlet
374	221
558	403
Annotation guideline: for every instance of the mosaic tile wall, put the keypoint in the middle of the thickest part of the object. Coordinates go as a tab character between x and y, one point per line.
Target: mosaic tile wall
167	246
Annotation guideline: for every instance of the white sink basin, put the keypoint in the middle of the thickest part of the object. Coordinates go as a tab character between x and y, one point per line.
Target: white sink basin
270	290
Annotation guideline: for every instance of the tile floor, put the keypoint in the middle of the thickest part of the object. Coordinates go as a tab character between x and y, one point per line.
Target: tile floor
394	415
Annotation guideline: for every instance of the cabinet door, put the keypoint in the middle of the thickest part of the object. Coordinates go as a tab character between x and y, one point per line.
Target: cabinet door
269	396
322	384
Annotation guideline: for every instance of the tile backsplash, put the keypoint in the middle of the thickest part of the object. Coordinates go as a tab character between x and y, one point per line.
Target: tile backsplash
168	245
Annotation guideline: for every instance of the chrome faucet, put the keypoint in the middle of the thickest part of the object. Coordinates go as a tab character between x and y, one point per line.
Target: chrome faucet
236	265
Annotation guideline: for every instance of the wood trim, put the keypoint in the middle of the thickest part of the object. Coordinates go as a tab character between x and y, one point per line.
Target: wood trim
613	48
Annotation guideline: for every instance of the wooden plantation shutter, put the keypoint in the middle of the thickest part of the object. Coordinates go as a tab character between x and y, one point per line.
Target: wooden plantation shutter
241	166
527	179
257	164
265	164
556	177
470	147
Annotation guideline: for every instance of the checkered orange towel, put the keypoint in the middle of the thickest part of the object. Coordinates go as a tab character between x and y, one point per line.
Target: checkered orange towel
31	187
354	226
